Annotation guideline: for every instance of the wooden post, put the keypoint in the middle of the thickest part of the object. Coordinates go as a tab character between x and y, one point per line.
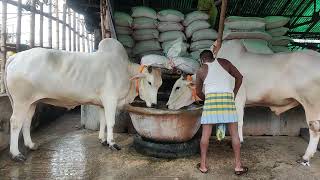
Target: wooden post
50	25
87	39
74	31
57	23
3	42
102	16
78	33
32	23
64	27
18	33
221	23
41	25
83	37
69	21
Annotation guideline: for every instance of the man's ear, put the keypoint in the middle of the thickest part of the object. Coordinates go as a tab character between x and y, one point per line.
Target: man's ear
137	76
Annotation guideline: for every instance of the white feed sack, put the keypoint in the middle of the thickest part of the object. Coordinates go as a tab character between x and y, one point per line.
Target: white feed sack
185	64
245	23
170	26
170	15
126	40
203	44
281	31
168	44
196	26
123	30
276	21
156	61
194	16
142	11
257	46
145	34
122	19
144	23
171	35
177	48
233	34
145	46
280	41
204	34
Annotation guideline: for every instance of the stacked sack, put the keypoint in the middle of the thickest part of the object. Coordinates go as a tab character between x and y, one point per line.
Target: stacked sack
123	23
199	31
252	32
170	28
145	31
275	27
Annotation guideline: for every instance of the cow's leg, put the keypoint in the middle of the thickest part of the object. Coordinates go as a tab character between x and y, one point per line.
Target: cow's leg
110	112
17	119
240	101
314	135
240	112
102	120
312	147
26	129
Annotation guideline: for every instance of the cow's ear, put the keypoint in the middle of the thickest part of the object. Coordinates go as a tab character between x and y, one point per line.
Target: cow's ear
138	76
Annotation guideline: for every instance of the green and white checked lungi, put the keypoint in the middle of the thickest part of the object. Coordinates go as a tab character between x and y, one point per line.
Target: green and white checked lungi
219	108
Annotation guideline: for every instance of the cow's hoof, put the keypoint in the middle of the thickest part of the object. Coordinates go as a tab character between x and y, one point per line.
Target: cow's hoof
18	158
115	147
34	147
303	162
104	143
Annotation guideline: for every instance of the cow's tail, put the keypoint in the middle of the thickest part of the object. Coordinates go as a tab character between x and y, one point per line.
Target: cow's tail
9	60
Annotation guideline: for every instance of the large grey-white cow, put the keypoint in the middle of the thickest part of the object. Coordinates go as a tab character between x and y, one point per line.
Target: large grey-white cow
105	78
280	81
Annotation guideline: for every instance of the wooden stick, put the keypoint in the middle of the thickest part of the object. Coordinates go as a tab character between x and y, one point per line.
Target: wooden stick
69	22
83	38
3	42
41	25
74	31
32	23
57	23
87	40
221	22
50	25
78	32
64	27
102	19
18	33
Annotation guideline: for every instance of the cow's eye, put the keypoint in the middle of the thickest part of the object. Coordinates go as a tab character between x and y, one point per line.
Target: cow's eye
149	83
177	88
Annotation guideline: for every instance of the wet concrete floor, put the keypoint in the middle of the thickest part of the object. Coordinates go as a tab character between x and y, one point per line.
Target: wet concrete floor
67	152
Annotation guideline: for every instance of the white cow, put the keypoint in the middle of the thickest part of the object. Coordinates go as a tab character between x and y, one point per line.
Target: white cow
280	81
105	78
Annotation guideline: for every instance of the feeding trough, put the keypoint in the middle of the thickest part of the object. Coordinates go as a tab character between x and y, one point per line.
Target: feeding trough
165	133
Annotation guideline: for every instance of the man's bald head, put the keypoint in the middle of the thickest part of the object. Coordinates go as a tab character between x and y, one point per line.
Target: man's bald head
206	56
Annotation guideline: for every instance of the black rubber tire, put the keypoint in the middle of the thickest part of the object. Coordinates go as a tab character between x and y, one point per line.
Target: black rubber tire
168	151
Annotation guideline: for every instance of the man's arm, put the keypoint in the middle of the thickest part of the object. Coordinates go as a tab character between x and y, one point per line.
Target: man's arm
233	71
238	78
199	83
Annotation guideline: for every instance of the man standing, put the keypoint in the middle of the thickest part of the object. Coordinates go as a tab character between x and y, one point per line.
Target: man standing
215	78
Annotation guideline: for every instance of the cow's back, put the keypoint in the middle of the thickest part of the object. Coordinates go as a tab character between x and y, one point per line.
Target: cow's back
53	74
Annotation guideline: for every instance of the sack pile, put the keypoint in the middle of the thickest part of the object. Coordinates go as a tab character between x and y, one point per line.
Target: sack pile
123	23
275	27
170	28
145	31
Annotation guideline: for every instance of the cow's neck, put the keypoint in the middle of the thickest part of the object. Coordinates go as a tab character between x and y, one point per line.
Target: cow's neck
133	69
